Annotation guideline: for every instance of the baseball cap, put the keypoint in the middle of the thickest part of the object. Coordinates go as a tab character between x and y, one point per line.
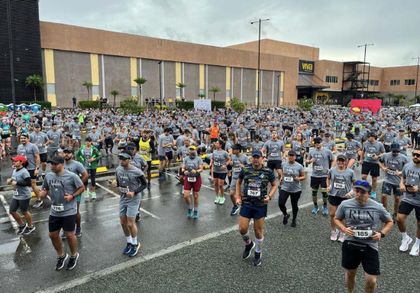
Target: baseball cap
395	147
256	153
19	158
25	135
342	157
68	150
56	160
193	148
124	156
317	140
362	184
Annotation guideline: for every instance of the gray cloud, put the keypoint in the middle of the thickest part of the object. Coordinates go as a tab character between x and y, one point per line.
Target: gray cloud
336	27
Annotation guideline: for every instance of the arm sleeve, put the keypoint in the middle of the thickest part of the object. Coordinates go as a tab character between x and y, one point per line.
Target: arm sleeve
24	182
142	186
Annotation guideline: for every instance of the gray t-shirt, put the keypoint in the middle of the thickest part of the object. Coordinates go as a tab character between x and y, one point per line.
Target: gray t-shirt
274	150
237	161
164	140
128	180
29	150
351	148
367	218
403	142
393	164
39	139
220	161
411	174
58	186
192	163
290	171
321	165
341	181
74	167
139	162
372	149
21	192
55	137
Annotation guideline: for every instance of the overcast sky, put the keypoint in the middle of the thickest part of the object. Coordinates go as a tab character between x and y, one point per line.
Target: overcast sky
336	27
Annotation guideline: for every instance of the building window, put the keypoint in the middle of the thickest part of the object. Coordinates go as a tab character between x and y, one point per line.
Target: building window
331	79
395	82
373	82
410	82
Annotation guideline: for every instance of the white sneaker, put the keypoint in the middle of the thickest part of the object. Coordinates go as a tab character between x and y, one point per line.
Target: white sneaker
334	235
341	237
415	249
405	243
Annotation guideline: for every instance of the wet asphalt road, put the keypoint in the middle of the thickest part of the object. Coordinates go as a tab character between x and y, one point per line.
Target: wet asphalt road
295	260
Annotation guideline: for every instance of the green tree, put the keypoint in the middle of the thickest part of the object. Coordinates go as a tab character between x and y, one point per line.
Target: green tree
181	87
140	82
237	105
305	104
35	82
416	99
399	99
114	93
88	85
201	96
214	90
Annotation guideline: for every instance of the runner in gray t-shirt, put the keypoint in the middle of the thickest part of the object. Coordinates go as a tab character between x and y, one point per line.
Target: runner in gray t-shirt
238	161
371	152
410	185
63	187
220	159
361	219
290	185
192	166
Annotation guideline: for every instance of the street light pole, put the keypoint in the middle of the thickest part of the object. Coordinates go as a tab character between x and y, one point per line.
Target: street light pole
259	59
364	63
12	66
417	79
160	83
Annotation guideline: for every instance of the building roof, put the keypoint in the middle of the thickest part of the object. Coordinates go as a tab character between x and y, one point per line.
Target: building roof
311	81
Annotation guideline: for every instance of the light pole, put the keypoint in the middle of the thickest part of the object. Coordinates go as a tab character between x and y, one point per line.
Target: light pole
417	79
160	83
364	63
12	66
259	59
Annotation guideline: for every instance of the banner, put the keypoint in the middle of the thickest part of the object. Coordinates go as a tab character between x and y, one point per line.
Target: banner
202	105
357	106
306	66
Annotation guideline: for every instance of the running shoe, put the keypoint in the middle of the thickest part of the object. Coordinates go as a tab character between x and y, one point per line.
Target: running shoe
324	211
21	229
293	223
28	230
93	195
138	217
373	195
134	250
257	259
341	238
195	215
72	262
189	213
216	201
405	243
127	249
61	261
222	200
315	210
234	211
78	232
415	249
334	235
248	250
38	204
286	219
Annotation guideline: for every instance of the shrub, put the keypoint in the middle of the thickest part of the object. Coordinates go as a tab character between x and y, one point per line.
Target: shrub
237	105
185	105
43	104
89	104
218	104
130	106
305	104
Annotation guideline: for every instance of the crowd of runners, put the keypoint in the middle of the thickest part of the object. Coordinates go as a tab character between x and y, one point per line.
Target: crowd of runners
252	157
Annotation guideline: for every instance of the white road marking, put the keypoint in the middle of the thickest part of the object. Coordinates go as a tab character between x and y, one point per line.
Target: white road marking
141	259
117	195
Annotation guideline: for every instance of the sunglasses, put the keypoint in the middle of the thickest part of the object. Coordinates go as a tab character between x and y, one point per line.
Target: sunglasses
362	183
416	155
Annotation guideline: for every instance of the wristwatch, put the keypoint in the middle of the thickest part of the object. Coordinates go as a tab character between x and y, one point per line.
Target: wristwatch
382	234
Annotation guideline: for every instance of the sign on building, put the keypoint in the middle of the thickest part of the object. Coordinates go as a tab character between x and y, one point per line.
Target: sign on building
306	66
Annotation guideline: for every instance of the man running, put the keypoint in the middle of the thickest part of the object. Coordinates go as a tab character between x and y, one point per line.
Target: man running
273	151
192	166
254	199
63	187
40	139
238	161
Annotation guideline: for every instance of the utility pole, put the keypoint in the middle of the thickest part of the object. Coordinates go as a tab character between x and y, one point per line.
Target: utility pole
12	65
364	64
160	83
417	79
259	59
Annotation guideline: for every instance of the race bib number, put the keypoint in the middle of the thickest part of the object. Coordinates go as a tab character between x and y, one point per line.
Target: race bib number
391	172
339	185
387	143
288	179
362	234
217	164
254	192
192	179
318	168
57	208
124	189
237	170
369	155
274	154
15	193
143	152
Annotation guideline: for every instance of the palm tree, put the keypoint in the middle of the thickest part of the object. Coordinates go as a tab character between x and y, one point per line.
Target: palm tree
201	96
35	82
114	93
140	81
181	87
399	99
88	85
214	90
